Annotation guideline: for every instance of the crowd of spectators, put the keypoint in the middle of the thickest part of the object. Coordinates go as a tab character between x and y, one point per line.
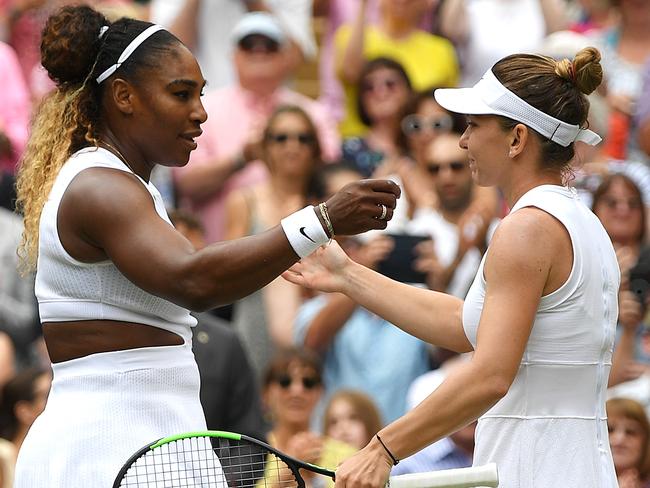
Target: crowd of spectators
317	375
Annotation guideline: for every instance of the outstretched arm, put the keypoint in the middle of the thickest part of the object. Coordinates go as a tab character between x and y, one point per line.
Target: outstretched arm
107	214
516	256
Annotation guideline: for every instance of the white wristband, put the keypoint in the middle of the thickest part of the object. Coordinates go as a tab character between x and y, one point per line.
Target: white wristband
304	231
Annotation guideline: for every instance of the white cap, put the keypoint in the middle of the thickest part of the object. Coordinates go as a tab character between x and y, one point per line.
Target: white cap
261	23
490	97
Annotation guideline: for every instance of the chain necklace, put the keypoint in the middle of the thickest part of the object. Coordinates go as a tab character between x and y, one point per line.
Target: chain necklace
117	152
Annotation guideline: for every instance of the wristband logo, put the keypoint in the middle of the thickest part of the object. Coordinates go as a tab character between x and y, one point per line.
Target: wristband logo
302	231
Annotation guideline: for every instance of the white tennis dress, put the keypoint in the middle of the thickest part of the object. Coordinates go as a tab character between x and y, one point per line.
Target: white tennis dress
105	406
550	430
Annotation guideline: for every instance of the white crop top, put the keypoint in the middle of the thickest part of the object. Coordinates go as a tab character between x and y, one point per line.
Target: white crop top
70	290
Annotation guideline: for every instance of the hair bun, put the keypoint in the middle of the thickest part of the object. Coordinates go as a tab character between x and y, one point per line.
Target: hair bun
70	43
585	71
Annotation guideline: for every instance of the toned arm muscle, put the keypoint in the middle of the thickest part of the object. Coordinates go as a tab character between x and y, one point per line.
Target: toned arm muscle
115	214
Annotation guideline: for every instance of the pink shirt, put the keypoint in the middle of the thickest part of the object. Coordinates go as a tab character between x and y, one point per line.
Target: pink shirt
14	106
233	115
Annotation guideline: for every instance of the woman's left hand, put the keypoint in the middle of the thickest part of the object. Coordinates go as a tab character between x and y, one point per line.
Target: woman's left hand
369	468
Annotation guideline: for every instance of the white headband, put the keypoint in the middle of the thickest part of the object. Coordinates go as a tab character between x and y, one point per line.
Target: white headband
490	97
133	45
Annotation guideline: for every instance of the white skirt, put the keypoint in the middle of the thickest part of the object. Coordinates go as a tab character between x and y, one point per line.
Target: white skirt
104	407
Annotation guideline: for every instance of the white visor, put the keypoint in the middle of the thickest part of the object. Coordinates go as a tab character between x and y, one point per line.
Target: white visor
490	97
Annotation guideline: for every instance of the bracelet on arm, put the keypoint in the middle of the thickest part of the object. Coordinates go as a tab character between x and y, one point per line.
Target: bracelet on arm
395	460
304	231
326	217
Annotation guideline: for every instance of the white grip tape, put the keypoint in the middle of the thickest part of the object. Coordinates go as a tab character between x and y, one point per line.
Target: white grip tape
304	231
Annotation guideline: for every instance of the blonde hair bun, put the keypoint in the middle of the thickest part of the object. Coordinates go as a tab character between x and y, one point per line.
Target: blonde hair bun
585	71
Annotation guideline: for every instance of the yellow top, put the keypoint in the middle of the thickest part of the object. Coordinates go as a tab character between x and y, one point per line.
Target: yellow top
429	61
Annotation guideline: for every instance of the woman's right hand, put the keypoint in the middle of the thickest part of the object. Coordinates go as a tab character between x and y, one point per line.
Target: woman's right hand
323	270
356	208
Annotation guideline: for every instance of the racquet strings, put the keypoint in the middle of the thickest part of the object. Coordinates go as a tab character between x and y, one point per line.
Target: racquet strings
209	462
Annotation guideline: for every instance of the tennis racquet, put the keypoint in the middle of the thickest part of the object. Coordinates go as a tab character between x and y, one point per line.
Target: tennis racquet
216	459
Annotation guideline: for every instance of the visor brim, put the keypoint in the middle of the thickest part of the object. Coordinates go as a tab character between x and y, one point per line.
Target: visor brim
462	101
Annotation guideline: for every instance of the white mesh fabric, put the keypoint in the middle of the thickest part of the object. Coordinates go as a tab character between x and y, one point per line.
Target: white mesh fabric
506	103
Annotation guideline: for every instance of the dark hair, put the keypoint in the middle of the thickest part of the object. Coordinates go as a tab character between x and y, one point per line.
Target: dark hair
557	88
18	389
74	55
322	175
369	67
279	364
631	185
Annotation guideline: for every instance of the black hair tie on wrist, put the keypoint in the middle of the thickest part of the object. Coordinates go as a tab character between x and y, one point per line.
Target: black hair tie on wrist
395	460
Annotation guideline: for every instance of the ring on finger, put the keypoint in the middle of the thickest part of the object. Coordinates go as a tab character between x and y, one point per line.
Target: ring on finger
384	211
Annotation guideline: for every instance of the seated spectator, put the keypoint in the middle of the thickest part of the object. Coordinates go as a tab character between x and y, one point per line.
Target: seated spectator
18	307
625	47
291	152
428	60
642	116
15	110
230	394
351	417
629	438
201	25
459	228
22	401
384	88
237	116
360	350
292	388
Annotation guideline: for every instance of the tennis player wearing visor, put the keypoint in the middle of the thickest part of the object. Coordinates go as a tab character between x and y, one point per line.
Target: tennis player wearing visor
540	316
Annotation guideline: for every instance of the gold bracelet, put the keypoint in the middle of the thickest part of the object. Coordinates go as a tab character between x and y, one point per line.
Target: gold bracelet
326	217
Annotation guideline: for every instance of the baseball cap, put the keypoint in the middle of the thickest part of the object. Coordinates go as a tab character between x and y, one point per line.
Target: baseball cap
260	23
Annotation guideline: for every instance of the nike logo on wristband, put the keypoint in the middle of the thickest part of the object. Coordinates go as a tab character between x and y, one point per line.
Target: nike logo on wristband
302	231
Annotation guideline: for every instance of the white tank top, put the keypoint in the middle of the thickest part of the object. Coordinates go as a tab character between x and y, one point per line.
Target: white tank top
550	429
70	290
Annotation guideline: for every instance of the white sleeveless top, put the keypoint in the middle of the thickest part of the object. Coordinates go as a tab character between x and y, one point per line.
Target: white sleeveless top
550	429
70	290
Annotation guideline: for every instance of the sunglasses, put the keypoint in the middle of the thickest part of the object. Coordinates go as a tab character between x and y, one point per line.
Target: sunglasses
308	382
388	84
414	124
257	43
303	138
631	203
455	167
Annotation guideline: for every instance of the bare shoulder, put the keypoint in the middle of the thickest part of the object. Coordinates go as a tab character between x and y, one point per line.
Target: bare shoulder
528	238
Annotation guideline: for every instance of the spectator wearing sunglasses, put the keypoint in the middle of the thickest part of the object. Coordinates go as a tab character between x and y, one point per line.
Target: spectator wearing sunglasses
457	230
292	387
427	59
291	151
237	116
384	89
201	25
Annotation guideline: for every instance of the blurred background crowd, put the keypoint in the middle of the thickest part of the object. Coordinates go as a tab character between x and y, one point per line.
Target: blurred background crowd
304	96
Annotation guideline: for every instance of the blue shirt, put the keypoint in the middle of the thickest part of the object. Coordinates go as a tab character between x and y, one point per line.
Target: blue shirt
368	354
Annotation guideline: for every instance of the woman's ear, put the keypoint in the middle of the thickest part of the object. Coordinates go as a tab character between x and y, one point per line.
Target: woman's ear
518	139
122	95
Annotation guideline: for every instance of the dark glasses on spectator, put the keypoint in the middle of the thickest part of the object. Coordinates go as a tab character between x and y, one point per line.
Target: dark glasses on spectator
303	138
257	43
612	203
414	124
308	382
455	167
389	84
